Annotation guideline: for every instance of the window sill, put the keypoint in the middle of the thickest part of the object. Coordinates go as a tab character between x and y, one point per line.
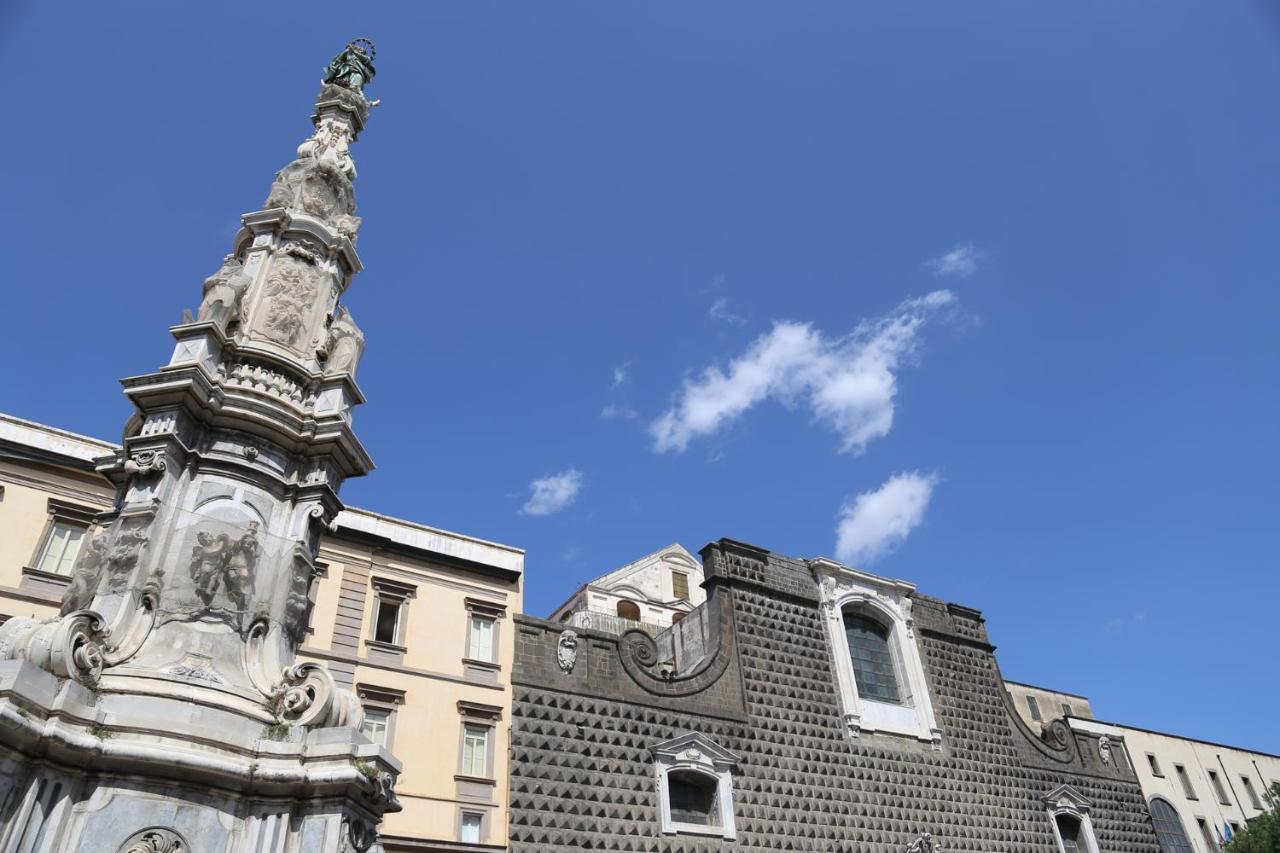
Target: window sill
480	671
39	582
381	651
697	829
479	780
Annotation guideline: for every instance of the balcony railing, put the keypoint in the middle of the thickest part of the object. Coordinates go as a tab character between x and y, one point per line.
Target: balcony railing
612	623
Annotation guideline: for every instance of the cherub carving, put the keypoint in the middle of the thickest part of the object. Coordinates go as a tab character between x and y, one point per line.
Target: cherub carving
241	561
222	293
207	560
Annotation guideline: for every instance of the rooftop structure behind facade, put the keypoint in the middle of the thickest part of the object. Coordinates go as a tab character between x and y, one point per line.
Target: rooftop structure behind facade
649	594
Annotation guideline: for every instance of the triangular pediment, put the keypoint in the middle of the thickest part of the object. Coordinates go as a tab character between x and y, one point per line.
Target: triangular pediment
694	746
1067	798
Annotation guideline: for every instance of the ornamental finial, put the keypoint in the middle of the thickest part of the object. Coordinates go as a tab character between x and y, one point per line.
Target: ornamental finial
352	68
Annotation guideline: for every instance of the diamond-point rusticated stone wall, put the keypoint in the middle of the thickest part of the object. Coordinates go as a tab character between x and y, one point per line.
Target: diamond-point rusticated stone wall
583	778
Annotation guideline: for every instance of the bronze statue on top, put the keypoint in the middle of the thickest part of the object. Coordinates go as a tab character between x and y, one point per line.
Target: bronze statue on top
352	68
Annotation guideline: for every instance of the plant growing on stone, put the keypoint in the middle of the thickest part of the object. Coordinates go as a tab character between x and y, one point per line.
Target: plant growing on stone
1262	835
276	731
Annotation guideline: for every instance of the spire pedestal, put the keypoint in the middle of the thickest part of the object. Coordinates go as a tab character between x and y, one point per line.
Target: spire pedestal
164	711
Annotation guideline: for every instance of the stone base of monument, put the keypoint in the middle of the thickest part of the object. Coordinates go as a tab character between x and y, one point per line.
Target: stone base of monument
103	772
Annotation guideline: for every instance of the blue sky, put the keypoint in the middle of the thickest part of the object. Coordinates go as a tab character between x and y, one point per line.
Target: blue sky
1005	270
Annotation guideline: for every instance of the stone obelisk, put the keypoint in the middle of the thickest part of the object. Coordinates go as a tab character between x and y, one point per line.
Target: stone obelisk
164	711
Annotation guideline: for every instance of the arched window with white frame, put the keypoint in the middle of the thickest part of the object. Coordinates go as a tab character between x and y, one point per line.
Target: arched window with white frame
879	672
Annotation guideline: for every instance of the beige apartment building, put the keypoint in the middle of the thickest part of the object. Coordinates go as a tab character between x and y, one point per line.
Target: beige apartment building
416	620
1200	793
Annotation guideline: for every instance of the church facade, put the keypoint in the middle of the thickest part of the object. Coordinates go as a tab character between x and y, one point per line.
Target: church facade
805	706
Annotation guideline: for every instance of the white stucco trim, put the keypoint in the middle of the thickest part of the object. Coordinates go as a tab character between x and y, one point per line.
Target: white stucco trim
698	754
1066	800
889	602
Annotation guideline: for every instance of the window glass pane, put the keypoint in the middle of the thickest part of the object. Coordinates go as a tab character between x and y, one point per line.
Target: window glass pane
1034	707
692	798
62	548
873	669
1253	795
679	585
1168	828
480	639
1186	781
470	827
375	725
1210	843
1069	829
386	621
475	751
1155	765
1218	789
1066	710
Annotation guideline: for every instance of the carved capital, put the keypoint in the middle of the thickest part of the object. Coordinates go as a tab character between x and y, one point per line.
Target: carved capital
144	463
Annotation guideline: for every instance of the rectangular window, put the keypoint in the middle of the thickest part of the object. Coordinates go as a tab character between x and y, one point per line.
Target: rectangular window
1218	788
470	831
1189	791
680	585
480	639
376	723
1066	710
62	547
1206	832
1253	795
475	751
1034	707
386	620
1155	765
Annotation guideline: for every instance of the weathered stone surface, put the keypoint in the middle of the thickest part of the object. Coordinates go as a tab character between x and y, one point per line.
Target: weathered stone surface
163	711
582	777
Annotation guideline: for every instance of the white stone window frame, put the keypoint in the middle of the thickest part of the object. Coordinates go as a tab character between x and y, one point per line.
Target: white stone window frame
386	699
398	594
1066	800
696	753
479	670
70	515
888	602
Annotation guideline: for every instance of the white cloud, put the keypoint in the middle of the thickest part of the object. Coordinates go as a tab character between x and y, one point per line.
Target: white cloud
553	492
720	312
613	411
620	374
874	523
961	261
849	383
1119	624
